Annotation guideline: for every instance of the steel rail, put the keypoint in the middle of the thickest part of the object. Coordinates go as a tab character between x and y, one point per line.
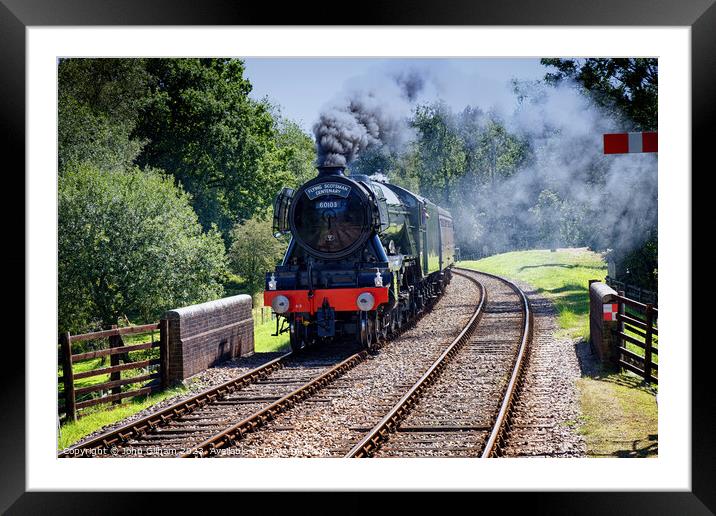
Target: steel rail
136	428
379	433
496	440
181	408
258	419
234	433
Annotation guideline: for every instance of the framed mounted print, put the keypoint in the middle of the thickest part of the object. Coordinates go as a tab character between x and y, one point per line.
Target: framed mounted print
361	254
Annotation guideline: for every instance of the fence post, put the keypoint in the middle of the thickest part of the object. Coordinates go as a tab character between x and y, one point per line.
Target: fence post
164	352
68	377
591	315
115	341
647	341
620	326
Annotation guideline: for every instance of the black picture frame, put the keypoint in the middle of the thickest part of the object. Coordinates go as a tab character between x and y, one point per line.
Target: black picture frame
17	15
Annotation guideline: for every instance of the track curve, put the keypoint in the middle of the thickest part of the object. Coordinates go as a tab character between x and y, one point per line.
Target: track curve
461	407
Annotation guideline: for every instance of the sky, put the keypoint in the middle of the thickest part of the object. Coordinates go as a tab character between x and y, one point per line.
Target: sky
303	86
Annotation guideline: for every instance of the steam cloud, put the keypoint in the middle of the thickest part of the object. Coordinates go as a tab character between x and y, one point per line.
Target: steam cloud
603	201
372	114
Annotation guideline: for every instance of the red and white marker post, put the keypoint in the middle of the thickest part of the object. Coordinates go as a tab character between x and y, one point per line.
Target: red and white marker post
623	143
610	311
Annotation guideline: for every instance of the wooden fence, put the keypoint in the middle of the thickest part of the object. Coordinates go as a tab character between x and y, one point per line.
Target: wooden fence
633	292
263	314
117	350
637	326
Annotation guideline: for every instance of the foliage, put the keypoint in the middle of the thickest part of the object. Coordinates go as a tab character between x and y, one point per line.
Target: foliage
299	152
130	245
629	85
193	121
639	266
254	251
202	127
547	212
373	160
560	221
98	103
404	170
492	153
442	159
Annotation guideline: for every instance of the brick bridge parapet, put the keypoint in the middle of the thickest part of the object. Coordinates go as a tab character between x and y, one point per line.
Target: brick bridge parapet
203	335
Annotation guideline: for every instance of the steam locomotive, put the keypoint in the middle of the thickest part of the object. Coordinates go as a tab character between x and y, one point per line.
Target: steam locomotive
364	258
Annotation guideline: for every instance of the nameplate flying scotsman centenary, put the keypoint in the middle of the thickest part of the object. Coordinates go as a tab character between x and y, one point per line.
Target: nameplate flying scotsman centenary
328	189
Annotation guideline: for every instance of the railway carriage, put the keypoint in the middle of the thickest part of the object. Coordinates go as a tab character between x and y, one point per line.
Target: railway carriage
364	258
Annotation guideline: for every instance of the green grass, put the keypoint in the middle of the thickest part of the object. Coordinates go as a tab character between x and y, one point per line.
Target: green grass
98	363
620	416
562	276
97	417
264	342
619	411
94	418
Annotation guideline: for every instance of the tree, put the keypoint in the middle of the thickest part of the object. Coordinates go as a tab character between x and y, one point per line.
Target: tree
299	151
98	106
491	152
405	169
441	152
373	160
220	145
547	213
129	244
254	251
629	85
628	88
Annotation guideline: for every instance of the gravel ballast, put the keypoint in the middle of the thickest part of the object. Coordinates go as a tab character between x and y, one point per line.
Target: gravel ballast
546	416
355	402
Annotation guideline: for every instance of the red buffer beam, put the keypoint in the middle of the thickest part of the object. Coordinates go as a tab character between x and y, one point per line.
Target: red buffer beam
622	143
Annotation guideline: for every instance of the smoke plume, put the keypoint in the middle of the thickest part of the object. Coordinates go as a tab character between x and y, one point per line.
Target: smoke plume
372	113
568	193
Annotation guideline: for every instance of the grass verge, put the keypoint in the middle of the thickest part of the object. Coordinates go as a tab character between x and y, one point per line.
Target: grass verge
562	276
97	417
264	342
619	413
92	420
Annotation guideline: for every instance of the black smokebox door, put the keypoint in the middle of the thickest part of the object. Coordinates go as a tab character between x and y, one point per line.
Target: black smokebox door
330	224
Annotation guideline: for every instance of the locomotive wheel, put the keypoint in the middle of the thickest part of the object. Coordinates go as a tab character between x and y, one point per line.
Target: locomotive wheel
374	331
382	325
297	337
395	320
367	331
377	329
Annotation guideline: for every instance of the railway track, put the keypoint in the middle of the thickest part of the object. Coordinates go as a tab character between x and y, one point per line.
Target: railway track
423	417
358	399
220	416
461	406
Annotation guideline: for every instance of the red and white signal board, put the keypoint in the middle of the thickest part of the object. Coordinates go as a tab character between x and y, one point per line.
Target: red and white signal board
622	143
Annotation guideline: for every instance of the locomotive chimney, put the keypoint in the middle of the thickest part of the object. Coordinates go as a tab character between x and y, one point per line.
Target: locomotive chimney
331	170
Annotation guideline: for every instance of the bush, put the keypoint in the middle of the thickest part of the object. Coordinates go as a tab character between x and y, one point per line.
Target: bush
254	251
129	244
